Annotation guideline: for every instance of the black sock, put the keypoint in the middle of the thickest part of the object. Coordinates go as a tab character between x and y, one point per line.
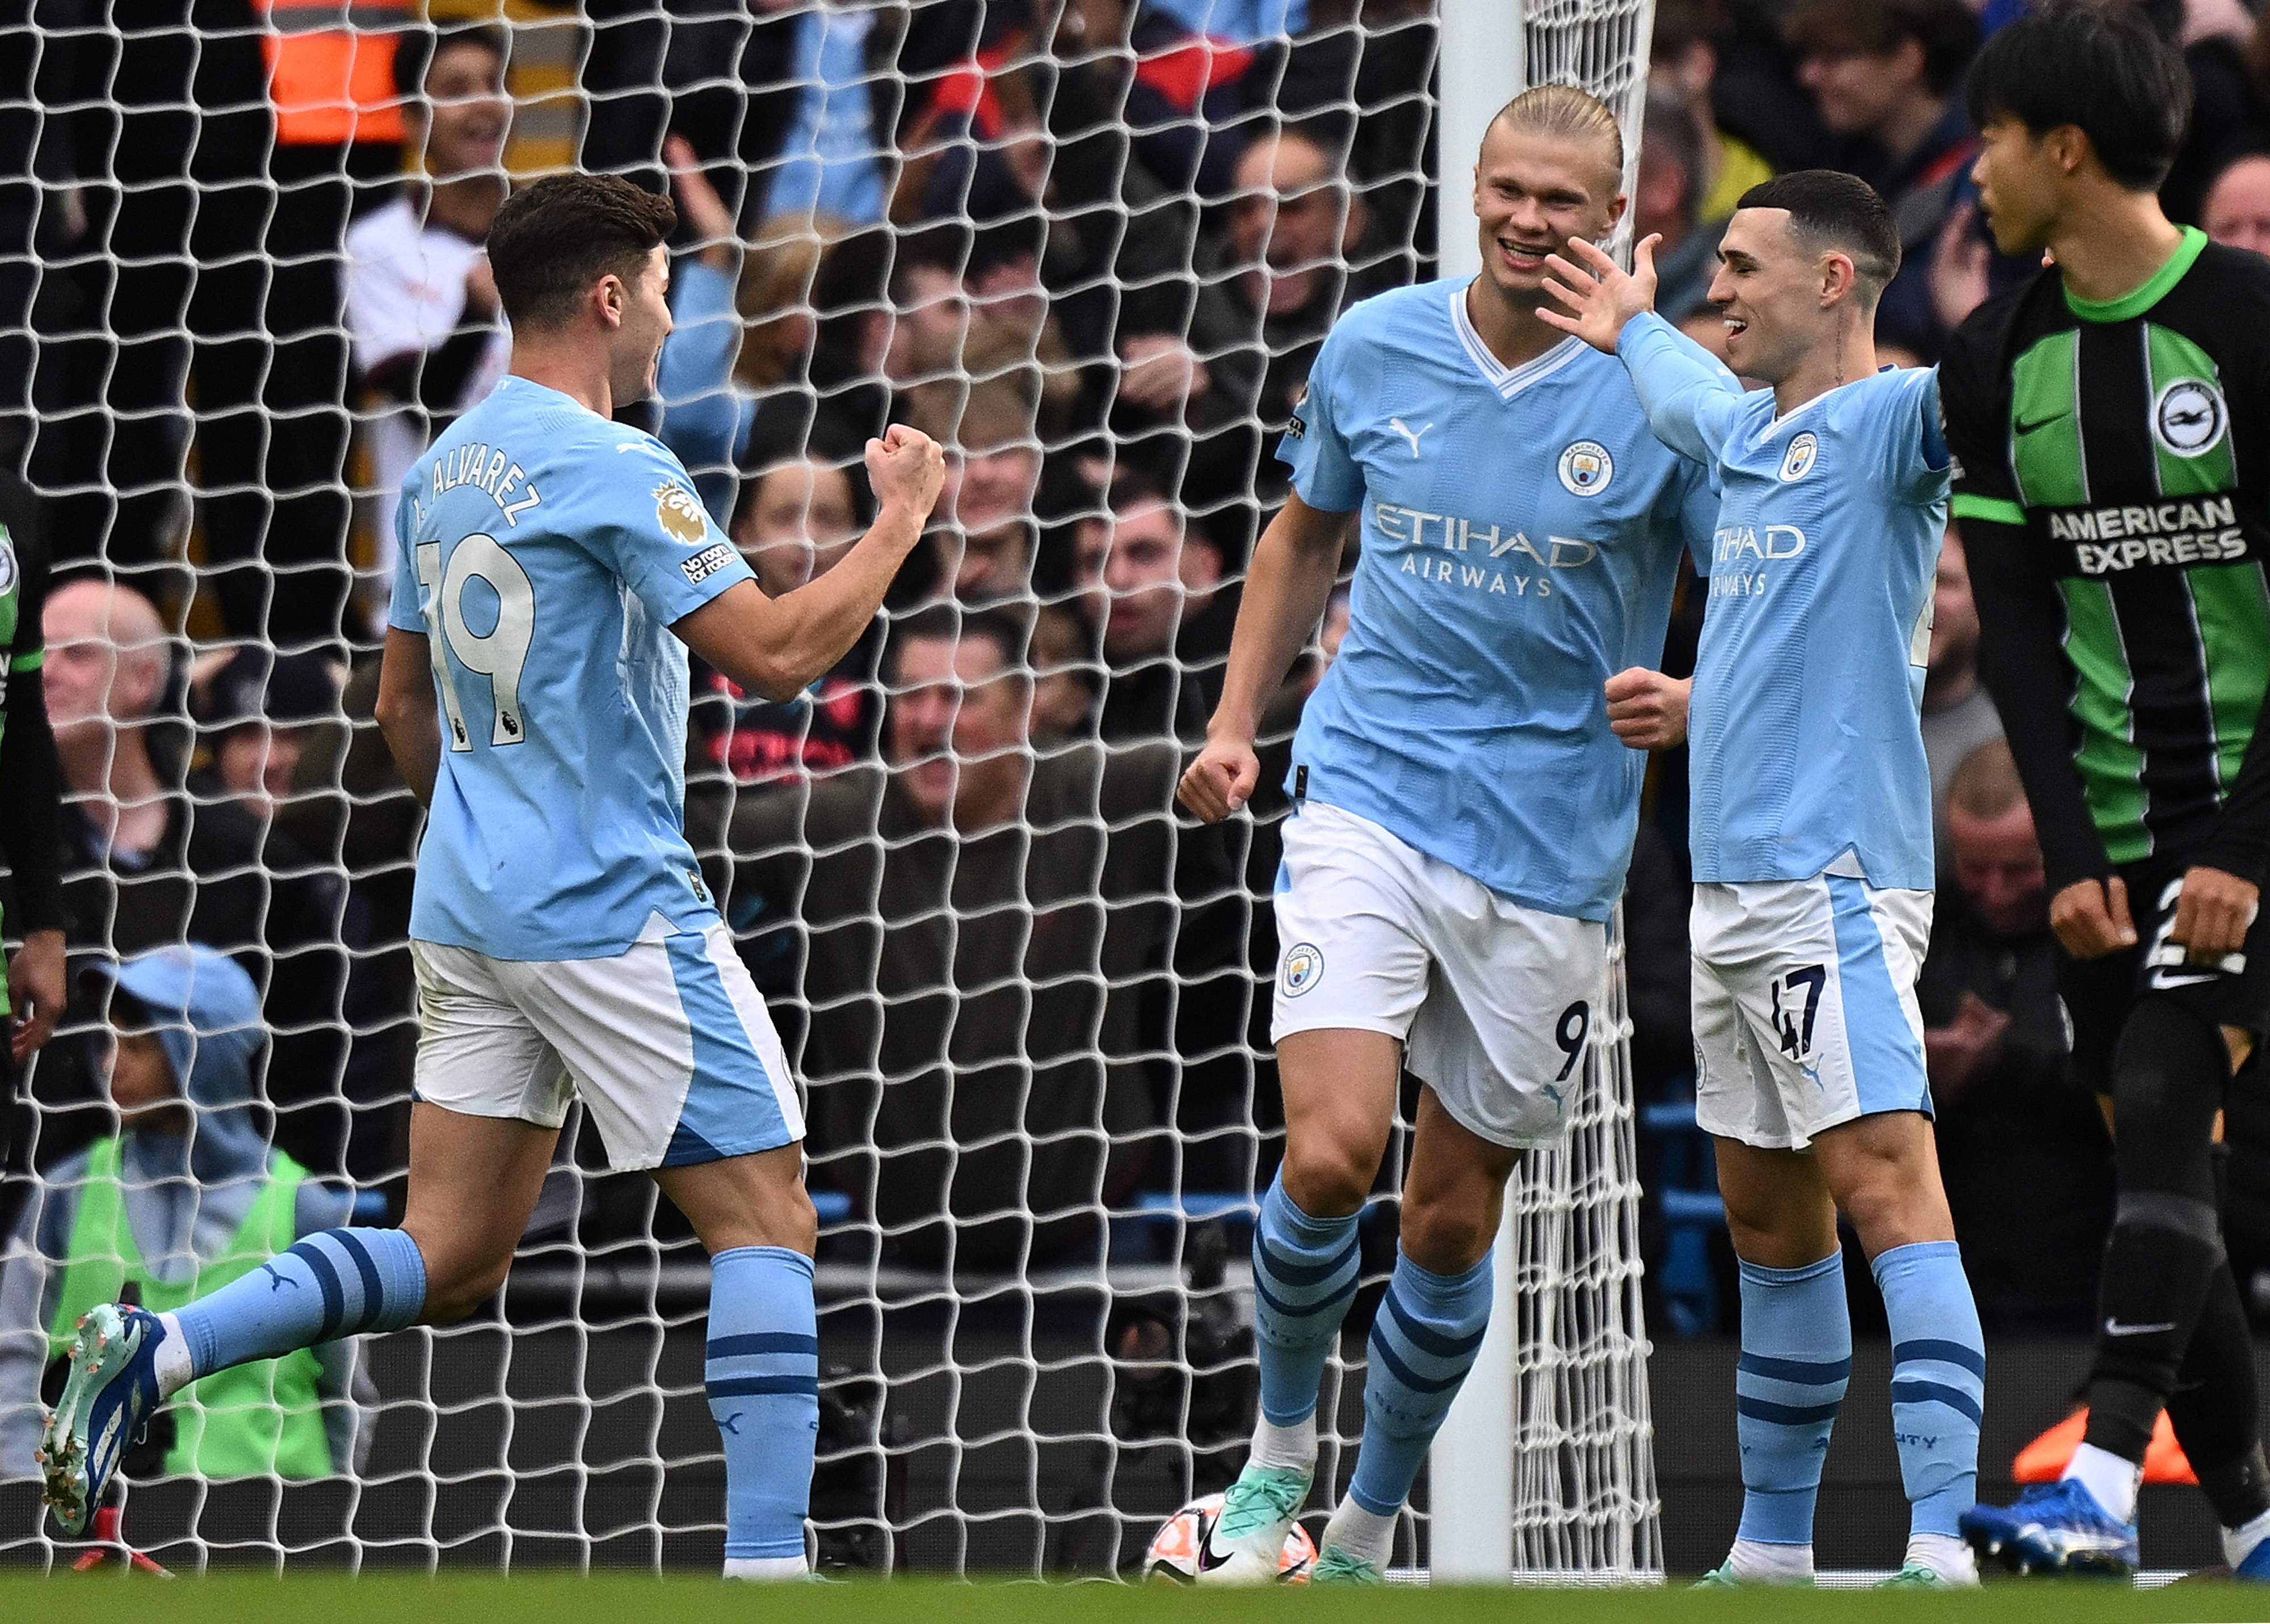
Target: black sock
2157	1266
2166	1247
2213	1407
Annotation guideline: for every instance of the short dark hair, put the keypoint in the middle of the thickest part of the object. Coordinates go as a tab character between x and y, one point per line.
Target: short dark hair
1945	29
952	623
2103	69
415	49
552	239
1138	484
1836	211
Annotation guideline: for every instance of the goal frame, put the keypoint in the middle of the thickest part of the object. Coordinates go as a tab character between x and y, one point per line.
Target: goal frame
1476	1459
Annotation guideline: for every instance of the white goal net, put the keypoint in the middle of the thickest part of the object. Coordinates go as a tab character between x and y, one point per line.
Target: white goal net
1091	245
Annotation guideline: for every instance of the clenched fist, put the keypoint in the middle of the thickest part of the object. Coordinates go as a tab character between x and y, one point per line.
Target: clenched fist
906	470
1221	780
1647	710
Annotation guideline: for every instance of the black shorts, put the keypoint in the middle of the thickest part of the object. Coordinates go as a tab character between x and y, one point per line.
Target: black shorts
2100	994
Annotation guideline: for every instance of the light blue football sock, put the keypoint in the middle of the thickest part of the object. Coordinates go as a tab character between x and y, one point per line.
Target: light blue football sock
1796	1362
334	1283
762	1371
1938	1379
1304	1273
1422	1344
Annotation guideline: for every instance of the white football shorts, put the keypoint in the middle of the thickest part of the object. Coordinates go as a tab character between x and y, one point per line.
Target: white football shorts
1493	1001
669	1045
1805	1006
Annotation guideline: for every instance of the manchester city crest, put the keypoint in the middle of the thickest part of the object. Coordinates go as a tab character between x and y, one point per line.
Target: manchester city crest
1304	964
1586	468
1804	451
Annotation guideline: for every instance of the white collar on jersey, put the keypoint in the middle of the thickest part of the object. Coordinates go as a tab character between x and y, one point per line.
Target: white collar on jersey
1508	381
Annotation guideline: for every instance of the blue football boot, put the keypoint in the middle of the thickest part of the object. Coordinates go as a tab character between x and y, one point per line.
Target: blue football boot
107	1404
2055	1528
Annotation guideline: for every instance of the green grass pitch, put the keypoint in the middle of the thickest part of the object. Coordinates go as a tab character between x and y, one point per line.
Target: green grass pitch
546	1598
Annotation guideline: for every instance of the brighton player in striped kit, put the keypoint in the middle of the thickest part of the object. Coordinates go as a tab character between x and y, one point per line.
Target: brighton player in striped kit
1465	811
1810	829
554	566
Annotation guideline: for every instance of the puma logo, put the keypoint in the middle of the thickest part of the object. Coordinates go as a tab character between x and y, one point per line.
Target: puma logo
1410	434
731	1423
277	1282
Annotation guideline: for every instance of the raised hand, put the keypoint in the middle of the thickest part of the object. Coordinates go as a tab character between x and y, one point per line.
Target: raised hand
906	469
1599	295
705	211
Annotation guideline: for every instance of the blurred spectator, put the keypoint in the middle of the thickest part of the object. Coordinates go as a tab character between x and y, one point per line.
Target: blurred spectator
185	1197
1755	95
1958	715
2236	213
1159	575
982	540
981	956
420	303
780	94
258	709
1241	22
2013	1122
1883	73
833	158
1063	673
2231	111
745	329
1682	65
1187	95
1295	260
1022	142
166	130
144	866
1667	203
799	513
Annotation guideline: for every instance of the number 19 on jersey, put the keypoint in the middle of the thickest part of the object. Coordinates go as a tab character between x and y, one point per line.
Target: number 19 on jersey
501	653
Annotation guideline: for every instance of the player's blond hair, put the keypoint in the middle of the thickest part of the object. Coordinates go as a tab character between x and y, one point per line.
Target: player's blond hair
1565	113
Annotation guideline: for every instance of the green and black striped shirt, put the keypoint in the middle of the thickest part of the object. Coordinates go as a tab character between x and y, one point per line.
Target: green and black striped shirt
2111	491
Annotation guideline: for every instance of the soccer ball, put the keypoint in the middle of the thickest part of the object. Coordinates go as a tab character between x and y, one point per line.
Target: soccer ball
1173	1558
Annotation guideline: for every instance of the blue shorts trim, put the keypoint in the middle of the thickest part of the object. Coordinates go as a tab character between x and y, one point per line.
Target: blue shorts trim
730	1108
1887	1060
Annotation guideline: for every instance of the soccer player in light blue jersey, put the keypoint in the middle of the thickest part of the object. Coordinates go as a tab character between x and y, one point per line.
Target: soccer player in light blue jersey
554	567
1811	838
1463	811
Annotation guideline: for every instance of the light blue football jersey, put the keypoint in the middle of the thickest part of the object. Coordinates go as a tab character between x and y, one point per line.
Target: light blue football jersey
545	553
1521	534
1806	729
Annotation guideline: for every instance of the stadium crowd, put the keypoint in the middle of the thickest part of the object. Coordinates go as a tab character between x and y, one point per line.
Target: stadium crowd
1090	246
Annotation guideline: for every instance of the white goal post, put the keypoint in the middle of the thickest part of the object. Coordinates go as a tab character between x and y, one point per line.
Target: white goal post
1546	1462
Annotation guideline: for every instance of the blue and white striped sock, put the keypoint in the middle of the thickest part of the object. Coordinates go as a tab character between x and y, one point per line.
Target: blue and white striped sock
1796	1362
334	1283
1304	1273
762	1371
1422	1344
1938	1379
